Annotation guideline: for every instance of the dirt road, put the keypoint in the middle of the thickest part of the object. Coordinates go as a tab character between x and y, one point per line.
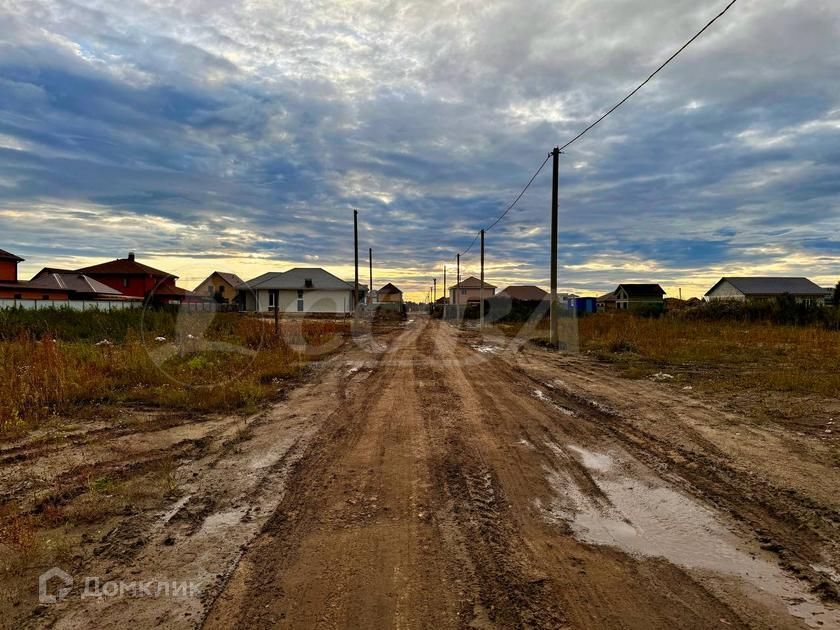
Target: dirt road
453	490
432	478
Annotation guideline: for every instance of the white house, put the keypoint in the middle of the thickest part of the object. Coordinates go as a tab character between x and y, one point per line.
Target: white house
765	288
299	290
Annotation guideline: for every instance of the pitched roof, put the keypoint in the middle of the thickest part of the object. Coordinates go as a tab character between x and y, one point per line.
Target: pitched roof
472	283
231	278
771	286
297	279
4	255
125	267
389	289
362	285
71	281
607	297
641	290
523	292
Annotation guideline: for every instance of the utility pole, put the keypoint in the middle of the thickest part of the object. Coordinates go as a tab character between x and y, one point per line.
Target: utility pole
356	253
481	287
555	177
434	289
276	312
370	264
444	284
457	277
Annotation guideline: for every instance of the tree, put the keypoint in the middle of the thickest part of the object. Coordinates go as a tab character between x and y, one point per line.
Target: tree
837	296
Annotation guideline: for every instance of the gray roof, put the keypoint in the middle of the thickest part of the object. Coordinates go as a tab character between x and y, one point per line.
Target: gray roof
296	279
771	286
71	281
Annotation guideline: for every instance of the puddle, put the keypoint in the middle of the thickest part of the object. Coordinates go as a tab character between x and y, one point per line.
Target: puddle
540	395
221	521
643	517
487	349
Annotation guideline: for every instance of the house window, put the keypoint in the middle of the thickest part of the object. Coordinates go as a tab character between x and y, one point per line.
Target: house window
272	302
300	299
18	296
125	282
45	297
210	290
221	290
463	291
307	283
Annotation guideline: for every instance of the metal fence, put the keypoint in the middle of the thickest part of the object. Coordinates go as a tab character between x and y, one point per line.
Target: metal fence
75	305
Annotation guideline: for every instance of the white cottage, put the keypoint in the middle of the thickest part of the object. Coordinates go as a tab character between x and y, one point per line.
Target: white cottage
299	290
766	288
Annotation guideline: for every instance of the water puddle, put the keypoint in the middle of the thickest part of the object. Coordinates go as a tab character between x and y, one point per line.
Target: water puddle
642	516
540	395
221	521
486	349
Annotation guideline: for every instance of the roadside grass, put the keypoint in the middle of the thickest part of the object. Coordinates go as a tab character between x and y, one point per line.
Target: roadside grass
798	359
57	369
719	354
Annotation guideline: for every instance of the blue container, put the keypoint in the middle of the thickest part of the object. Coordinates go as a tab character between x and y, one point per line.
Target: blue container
582	305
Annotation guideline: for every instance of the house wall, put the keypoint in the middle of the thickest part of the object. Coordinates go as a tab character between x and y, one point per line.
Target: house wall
725	291
462	296
213	285
8	271
314	301
625	302
391	297
33	294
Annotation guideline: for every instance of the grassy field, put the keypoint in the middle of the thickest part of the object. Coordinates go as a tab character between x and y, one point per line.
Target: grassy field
55	364
799	359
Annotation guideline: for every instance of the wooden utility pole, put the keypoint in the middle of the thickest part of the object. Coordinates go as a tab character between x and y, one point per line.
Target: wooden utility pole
457	277
481	287
554	337
356	253
370	265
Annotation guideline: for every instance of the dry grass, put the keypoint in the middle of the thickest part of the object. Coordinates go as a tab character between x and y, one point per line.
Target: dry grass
239	364
800	359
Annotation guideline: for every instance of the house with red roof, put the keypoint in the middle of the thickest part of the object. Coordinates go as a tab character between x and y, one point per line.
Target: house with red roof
138	280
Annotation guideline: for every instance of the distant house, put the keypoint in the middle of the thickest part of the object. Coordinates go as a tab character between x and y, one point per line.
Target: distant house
53	285
766	288
79	286
470	290
299	290
829	297
13	289
634	296
525	292
606	302
390	293
219	286
138	280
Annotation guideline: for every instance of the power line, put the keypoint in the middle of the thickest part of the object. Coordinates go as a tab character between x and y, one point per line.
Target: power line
510	207
610	111
653	74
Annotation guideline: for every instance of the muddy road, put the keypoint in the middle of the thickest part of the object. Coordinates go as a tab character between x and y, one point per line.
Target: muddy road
432	478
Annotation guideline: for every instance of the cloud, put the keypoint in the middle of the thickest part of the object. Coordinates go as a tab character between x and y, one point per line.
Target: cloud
243	135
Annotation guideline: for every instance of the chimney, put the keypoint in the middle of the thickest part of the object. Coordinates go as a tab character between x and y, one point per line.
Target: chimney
131	255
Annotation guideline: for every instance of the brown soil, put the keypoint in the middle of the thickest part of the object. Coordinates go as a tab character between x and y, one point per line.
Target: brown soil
432	478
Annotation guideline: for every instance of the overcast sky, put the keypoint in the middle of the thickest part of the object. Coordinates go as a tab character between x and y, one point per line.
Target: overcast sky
216	135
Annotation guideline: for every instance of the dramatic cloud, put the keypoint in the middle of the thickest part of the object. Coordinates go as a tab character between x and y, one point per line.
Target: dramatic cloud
206	135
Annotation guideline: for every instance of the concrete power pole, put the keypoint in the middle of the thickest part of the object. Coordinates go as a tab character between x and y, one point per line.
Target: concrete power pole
434	289
444	283
457	277
356	254
554	337
481	287
370	269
